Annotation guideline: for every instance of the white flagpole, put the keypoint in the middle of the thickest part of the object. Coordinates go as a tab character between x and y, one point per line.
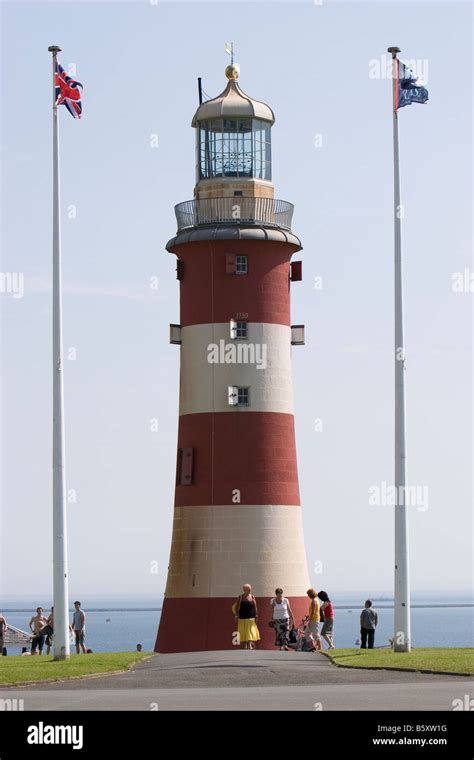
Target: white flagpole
402	634
60	578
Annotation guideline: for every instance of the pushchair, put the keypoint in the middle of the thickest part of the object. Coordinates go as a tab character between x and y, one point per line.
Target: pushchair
301	645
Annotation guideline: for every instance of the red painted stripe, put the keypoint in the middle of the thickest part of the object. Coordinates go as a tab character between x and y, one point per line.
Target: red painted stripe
250	451
197	625
210	295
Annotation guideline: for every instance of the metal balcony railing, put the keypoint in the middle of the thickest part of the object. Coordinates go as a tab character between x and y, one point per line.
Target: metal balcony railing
268	212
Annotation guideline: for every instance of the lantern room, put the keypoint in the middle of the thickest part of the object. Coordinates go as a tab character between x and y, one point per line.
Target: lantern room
233	144
234	148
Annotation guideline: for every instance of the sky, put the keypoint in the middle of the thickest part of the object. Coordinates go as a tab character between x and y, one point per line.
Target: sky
124	166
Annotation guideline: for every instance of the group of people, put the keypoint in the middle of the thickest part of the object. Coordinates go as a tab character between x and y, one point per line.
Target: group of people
246	615
42	628
282	619
283	622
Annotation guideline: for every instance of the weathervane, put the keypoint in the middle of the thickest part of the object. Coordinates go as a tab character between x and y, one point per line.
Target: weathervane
229	49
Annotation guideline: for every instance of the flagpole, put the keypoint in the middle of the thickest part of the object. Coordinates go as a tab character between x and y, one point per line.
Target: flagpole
60	577
402	634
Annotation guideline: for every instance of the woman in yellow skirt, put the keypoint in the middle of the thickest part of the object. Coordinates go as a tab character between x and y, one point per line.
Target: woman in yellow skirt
246	615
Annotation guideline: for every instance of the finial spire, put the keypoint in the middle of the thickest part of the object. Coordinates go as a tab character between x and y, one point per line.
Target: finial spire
233	70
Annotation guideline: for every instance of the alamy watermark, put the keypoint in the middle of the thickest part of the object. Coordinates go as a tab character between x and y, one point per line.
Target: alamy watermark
12	283
462	282
466	703
42	733
237	353
12	705
382	68
386	495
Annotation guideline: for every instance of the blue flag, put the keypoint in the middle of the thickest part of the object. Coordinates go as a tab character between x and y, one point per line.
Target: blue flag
408	90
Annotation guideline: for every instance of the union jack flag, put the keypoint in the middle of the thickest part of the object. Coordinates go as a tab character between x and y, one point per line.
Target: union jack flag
68	92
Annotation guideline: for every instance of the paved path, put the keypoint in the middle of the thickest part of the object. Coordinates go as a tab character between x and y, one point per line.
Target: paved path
243	680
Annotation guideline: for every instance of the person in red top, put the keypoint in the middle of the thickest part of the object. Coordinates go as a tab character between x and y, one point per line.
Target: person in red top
328	624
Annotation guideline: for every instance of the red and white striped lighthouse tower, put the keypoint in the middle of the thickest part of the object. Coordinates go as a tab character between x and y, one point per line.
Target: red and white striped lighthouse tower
237	515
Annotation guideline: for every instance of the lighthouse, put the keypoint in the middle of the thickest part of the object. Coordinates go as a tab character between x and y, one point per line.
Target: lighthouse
237	512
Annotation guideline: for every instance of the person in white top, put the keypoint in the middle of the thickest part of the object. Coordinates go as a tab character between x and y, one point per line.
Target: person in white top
282	616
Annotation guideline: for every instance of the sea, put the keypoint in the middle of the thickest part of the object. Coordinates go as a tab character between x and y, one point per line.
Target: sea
118	624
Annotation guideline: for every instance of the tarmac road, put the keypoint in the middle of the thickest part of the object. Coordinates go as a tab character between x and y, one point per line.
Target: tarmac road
246	680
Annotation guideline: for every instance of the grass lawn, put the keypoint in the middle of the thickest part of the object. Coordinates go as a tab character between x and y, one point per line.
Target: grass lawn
17	670
440	660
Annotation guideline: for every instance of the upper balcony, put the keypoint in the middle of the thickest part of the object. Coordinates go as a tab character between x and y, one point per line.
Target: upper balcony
266	212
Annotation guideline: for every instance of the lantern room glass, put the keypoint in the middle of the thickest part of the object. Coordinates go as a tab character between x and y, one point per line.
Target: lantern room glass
234	148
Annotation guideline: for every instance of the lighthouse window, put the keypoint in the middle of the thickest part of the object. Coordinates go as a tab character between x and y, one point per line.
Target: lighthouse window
241	264
261	150
234	148
243	397
238	329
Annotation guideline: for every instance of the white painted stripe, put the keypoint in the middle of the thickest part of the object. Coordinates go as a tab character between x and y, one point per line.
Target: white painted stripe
262	363
215	549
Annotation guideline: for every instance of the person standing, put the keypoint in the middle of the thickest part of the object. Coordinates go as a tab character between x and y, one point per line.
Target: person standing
3	628
36	624
79	627
368	624
328	624
312	629
246	615
49	630
282	616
